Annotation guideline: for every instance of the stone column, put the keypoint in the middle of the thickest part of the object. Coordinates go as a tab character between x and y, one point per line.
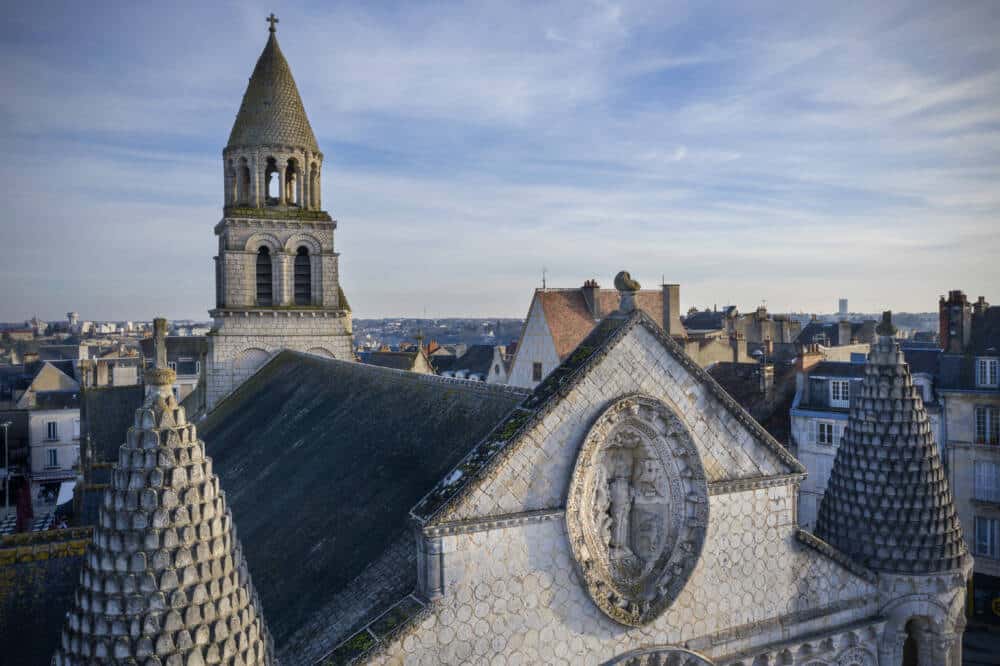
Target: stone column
255	179
282	165
304	201
283	278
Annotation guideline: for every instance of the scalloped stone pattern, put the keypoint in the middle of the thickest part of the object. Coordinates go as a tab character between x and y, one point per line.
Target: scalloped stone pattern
887	504
164	580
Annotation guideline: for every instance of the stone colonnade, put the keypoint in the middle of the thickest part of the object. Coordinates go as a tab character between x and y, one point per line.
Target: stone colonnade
298	171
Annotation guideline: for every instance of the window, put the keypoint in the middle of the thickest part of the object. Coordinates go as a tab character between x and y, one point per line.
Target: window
988	537
536	372
51	431
986	485
987	424
826	432
840	393
303	278
53	458
76	428
264	293
172	365
986	371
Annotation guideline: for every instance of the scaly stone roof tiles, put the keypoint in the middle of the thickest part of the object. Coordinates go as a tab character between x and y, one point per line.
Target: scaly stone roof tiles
888	504
164	580
272	112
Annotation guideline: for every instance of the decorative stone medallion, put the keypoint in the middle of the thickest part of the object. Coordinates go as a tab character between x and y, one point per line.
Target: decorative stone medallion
637	509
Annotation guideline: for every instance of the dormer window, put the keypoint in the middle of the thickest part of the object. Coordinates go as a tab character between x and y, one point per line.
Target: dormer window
840	393
987	372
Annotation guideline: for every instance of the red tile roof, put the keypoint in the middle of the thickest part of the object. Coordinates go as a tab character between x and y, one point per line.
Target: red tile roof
569	319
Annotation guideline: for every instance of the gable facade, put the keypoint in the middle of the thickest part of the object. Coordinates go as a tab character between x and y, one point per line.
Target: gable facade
502	577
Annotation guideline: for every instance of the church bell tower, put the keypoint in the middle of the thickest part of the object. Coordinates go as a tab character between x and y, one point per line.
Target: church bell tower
277	282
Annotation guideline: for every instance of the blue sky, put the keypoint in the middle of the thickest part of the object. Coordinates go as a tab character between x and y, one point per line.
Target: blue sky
793	152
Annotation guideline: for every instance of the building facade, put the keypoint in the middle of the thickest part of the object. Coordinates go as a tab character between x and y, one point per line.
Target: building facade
277	277
970	396
558	319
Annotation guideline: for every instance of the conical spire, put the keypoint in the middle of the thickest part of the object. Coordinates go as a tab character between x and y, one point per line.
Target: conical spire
164	580
887	504
272	112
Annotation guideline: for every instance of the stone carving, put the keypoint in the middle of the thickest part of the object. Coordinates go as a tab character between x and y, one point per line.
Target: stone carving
637	509
855	656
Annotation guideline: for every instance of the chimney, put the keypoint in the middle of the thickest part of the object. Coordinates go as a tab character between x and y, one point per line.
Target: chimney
672	310
737	342
591	291
954	321
843	333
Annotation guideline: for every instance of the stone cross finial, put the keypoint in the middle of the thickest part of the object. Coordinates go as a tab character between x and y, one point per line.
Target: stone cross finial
272	19
160	375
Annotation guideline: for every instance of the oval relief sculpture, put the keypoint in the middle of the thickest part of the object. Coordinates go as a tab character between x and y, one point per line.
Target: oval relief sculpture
637	510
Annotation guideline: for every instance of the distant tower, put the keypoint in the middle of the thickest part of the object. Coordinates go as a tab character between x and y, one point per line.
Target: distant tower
277	282
842	310
73	320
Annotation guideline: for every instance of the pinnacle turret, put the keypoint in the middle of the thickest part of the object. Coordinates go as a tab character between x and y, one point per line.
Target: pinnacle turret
164	580
888	504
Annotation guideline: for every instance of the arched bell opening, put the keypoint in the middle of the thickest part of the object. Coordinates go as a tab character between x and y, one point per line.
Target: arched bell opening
272	180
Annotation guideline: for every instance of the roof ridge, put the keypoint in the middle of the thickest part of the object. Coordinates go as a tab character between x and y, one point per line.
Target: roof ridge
473	386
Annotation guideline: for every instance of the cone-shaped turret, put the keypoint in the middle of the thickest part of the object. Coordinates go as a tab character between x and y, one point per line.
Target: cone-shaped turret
272	113
887	504
164	580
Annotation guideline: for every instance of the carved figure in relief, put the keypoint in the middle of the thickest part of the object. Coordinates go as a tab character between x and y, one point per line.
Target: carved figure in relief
637	509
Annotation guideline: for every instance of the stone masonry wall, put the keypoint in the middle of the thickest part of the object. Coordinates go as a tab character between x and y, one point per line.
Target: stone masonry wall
537	474
240	345
515	591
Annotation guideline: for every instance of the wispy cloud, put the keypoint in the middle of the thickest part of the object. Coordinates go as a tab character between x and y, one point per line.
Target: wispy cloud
793	153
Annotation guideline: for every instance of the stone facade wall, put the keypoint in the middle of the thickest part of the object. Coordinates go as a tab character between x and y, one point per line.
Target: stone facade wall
67	445
535	346
239	241
537	474
818	459
515	591
963	454
241	344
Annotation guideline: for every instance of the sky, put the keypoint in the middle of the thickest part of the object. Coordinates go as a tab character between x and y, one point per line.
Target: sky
787	153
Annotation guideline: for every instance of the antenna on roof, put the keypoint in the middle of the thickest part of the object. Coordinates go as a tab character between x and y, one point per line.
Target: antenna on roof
544	271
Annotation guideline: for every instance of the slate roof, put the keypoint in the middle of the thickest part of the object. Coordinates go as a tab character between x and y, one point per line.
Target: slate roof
476	359
887	504
272	112
837	369
57	400
861	331
392	359
708	320
985	335
322	460
569	319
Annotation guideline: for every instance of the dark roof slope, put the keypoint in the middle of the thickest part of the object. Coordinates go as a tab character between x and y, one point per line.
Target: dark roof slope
399	360
985	336
477	358
323	459
838	369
